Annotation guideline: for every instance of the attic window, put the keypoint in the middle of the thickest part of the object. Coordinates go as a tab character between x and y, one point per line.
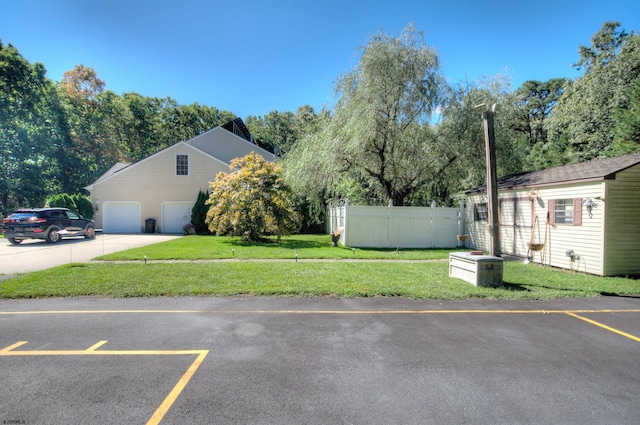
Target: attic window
182	165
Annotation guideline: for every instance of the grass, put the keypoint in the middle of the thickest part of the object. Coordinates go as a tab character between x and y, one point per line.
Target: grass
252	273
305	246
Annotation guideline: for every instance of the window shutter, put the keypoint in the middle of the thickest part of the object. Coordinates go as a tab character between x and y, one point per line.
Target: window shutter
577	212
551	211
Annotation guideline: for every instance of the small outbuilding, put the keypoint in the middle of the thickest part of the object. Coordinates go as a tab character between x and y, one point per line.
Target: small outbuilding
584	216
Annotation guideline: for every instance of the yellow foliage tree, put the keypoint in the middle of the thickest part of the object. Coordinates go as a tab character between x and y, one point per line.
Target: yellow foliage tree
252	201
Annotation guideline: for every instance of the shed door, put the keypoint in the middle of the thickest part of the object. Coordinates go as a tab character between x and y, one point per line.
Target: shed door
515	226
175	215
121	217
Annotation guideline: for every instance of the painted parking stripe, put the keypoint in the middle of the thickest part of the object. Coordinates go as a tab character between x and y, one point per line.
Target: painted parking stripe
161	411
603	326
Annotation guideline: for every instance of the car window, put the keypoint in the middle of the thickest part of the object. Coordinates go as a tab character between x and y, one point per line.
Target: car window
72	215
56	214
21	216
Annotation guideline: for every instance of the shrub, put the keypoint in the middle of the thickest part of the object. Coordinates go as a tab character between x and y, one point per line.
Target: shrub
78	203
199	214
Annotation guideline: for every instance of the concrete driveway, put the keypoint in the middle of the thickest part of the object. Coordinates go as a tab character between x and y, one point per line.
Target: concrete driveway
32	255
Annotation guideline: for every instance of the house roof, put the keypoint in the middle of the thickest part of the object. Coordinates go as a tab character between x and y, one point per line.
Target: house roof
222	143
113	170
597	169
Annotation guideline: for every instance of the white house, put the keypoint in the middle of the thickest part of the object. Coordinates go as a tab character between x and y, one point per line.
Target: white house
164	186
582	216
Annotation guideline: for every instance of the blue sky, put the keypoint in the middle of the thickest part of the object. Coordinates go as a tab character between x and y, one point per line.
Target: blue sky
252	57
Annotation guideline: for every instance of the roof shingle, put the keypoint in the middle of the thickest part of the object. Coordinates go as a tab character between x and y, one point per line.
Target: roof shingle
590	170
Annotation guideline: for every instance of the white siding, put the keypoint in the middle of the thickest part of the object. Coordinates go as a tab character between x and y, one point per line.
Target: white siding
153	181
477	230
586	240
622	232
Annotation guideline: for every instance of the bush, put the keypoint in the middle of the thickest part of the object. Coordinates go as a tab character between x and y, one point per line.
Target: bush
252	201
83	205
62	200
199	214
78	203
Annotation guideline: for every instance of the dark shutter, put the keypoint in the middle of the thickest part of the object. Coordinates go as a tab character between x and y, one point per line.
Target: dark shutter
577	211
551	211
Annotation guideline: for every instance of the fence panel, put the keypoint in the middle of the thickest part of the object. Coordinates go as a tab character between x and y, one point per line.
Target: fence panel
397	227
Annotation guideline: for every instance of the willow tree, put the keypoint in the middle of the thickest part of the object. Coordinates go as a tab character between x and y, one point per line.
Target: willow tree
379	134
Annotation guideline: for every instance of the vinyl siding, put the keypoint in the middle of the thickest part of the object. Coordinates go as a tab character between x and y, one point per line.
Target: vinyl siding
153	181
477	230
622	231
586	240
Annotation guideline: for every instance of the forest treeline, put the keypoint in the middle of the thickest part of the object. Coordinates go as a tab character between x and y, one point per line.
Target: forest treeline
399	130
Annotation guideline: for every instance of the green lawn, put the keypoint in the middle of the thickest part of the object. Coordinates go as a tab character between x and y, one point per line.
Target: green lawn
305	246
253	274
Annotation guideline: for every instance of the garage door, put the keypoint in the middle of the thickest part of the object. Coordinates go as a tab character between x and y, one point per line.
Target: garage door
121	217
175	215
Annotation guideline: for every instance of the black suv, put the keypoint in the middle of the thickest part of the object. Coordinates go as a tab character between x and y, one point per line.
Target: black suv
50	224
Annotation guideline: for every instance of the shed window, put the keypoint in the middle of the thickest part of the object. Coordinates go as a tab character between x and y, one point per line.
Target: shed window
480	212
565	211
182	165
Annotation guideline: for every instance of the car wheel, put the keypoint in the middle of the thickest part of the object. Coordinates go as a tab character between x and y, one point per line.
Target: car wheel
90	232
53	236
14	241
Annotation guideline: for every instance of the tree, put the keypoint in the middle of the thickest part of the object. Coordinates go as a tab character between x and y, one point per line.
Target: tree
627	123
279	131
27	137
381	121
461	140
199	213
536	100
582	122
252	201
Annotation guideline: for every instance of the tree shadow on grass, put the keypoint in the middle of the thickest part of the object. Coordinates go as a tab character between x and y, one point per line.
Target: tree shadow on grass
613	294
515	287
283	243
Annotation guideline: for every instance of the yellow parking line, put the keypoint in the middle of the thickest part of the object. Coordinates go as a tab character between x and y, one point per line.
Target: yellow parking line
11	347
96	346
175	392
168	401
603	326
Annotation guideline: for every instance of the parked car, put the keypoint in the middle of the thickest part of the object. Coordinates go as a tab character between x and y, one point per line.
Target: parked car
50	224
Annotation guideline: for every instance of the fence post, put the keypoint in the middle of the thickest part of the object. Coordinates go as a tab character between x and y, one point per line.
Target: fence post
389	219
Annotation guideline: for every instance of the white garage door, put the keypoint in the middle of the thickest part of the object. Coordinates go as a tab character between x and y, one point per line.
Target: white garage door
175	215
121	217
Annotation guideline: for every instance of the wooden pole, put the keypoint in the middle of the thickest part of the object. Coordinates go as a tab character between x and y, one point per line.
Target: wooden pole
492	181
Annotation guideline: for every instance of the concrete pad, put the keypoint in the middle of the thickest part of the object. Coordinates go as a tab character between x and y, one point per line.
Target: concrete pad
32	255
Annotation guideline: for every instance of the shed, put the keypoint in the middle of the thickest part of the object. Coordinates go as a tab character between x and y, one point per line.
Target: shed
583	216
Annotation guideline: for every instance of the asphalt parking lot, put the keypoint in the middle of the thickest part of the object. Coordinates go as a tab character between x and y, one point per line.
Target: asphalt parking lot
319	360
33	254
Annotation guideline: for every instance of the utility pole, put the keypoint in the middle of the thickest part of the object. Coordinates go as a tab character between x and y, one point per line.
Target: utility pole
492	178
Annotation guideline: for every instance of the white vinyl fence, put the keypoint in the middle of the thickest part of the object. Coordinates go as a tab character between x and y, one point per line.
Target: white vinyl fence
396	227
